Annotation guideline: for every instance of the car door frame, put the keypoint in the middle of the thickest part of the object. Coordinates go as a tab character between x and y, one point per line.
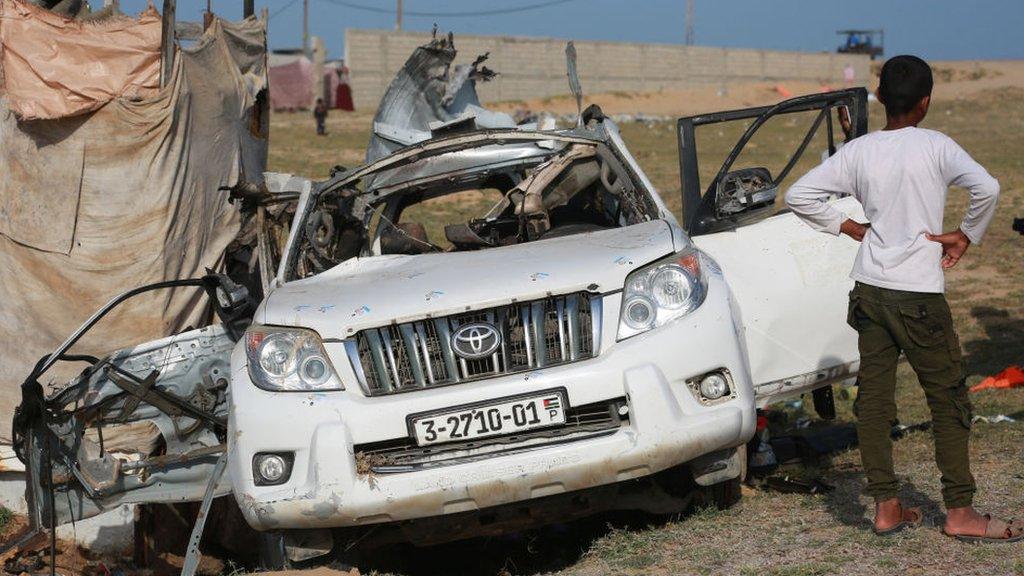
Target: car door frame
718	234
48	429
696	206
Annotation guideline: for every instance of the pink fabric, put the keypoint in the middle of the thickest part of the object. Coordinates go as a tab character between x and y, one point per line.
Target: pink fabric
291	85
330	86
55	67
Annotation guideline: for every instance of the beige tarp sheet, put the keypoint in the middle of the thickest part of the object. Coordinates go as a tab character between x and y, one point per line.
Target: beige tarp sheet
55	66
127	195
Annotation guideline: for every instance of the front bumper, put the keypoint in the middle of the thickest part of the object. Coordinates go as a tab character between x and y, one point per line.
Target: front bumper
667	426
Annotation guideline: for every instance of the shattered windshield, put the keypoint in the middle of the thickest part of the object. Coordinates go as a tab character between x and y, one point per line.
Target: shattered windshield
473	198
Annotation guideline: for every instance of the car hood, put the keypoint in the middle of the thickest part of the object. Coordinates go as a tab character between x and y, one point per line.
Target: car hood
368	292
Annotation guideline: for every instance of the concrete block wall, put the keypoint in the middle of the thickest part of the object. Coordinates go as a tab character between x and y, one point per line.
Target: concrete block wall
535	67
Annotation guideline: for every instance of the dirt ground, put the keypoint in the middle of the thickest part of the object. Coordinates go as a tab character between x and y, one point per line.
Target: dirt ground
768	533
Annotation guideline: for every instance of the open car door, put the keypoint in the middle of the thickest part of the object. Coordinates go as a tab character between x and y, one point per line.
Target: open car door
789	282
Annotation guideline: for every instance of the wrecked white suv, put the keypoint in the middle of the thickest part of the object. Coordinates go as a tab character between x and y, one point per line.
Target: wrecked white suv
567	340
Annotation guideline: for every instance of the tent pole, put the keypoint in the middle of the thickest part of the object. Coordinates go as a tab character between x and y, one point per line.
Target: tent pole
167	42
305	28
207	16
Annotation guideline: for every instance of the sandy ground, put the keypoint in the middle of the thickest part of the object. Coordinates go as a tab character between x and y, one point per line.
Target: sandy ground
953	80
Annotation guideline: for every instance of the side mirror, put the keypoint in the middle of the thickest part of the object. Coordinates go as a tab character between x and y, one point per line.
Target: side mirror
231	302
744	191
232	296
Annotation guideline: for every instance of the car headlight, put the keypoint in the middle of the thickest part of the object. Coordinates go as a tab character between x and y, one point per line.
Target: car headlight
661	292
289	360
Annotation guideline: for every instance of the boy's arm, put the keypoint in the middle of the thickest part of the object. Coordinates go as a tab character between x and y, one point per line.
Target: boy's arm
959	169
808	198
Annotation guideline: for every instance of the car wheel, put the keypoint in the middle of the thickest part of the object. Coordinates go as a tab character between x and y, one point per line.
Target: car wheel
272	554
727	493
724	494
296	549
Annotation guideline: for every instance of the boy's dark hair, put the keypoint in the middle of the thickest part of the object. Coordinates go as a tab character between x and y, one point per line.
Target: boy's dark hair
905	80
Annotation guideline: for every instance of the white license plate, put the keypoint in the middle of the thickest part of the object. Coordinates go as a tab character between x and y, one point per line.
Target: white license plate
497	419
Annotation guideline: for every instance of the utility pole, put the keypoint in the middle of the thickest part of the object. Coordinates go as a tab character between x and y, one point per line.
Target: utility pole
398	16
305	27
248	8
689	23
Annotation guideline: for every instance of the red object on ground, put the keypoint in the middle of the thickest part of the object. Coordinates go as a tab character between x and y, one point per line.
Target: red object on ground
1012	377
783	91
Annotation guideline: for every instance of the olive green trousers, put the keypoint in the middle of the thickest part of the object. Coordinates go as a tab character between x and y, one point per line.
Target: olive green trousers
920	326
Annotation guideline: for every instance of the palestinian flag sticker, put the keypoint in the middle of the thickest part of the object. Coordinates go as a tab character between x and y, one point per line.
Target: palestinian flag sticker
553	405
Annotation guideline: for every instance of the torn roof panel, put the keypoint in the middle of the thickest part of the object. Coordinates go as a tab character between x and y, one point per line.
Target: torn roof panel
427	93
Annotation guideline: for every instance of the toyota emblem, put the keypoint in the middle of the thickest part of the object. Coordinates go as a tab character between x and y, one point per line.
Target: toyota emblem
476	340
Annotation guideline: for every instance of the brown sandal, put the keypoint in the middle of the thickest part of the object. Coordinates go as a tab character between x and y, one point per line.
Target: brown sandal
997	531
916	518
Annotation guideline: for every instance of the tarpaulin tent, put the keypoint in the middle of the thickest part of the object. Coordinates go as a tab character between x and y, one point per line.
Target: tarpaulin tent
57	66
291	82
332	78
99	202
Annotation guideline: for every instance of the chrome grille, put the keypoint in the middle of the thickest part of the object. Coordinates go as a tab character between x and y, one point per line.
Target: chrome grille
537	334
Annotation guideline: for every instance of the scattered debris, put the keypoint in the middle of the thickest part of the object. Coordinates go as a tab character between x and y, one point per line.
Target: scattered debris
901	430
997	419
365	463
788	485
1012	377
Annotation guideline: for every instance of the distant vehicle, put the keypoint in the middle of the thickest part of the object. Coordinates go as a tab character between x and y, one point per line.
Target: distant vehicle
870	42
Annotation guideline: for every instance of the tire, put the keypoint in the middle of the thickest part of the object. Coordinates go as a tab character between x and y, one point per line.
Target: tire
273	551
724	494
272	554
728	493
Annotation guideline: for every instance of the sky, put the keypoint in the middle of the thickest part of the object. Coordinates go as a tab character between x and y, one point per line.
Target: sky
932	29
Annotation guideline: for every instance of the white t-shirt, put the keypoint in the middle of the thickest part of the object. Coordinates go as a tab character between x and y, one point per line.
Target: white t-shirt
901	178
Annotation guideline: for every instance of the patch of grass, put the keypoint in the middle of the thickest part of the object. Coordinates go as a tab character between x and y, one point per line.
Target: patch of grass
985	554
708	513
628	548
803	569
6	515
886	563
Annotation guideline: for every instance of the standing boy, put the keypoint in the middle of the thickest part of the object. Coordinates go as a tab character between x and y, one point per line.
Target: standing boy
900	175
